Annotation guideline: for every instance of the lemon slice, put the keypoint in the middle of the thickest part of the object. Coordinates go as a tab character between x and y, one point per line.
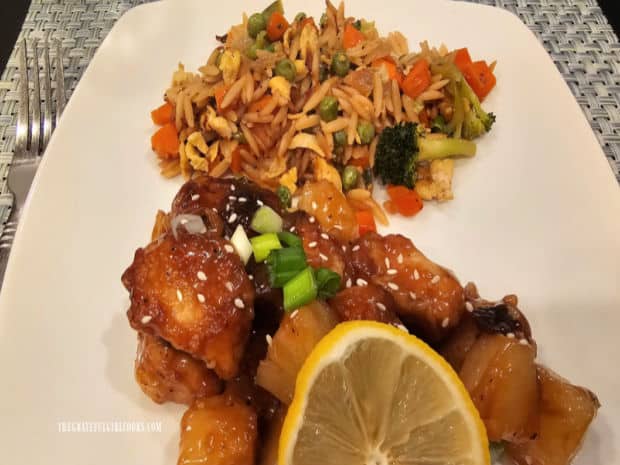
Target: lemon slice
371	394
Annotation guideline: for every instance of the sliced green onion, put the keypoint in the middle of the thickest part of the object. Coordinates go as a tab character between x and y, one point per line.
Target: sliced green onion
300	290
290	239
327	282
242	244
285	264
266	221
262	245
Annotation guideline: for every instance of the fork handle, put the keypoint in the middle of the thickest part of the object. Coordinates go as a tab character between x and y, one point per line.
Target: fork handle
6	241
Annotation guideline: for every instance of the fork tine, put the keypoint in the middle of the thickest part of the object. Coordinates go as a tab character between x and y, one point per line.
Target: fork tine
21	135
60	82
47	90
35	133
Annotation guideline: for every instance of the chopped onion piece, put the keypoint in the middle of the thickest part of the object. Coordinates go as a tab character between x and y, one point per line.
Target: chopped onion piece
193	224
242	244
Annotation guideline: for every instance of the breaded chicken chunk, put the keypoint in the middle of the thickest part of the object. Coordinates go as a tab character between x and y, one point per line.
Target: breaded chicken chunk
220	430
166	374
193	292
428	297
322	250
366	302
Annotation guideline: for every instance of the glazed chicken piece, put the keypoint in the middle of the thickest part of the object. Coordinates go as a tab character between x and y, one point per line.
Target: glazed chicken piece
193	292
220	430
169	375
565	413
368	302
322	250
235	200
428	297
500	375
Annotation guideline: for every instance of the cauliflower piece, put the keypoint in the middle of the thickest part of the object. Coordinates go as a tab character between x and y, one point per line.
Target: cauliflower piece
435	181
289	180
218	124
323	170
229	65
280	86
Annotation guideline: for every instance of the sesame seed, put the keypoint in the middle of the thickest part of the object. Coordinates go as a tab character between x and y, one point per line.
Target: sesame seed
361	282
259	202
312	219
201	275
229	248
312	245
344	248
435	279
387	262
355	248
229	286
523	342
183	221
348	283
239	303
269	339
232	197
323	257
179	295
294	314
292	229
399	259
416	275
145	319
469	307
510	335
210	365
412	295
392	271
214	209
445	322
227	207
325	208
338	227
324	236
232	187
188	428
314	205
242	199
381	307
251	277
201	298
402	327
232	218
393	286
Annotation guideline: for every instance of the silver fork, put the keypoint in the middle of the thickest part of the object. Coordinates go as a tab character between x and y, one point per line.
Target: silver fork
33	132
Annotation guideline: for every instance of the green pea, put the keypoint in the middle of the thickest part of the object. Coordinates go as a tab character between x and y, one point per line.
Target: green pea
270	47
299	17
323	73
284	194
366	132
340	138
251	51
340	64
286	69
328	108
349	177
240	137
256	23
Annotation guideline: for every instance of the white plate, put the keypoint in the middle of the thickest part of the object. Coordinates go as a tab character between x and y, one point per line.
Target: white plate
537	213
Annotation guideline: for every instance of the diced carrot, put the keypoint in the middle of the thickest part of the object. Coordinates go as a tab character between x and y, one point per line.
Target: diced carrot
365	221
351	36
393	72
165	141
480	77
309	21
418	79
363	162
163	114
406	201
235	161
462	59
259	104
277	26
220	92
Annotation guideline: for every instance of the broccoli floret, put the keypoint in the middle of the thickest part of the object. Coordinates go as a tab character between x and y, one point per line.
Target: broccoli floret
401	146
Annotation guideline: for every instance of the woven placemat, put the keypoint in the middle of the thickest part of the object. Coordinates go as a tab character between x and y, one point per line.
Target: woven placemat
574	32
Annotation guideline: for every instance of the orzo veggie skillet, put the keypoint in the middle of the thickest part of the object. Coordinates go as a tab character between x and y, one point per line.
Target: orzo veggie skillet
283	102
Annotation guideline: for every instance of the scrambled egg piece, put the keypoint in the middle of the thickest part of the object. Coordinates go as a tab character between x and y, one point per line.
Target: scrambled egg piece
229	65
218	124
435	181
194	152
281	86
289	180
323	170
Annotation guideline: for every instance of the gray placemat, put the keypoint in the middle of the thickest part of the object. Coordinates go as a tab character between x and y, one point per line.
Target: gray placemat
575	33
